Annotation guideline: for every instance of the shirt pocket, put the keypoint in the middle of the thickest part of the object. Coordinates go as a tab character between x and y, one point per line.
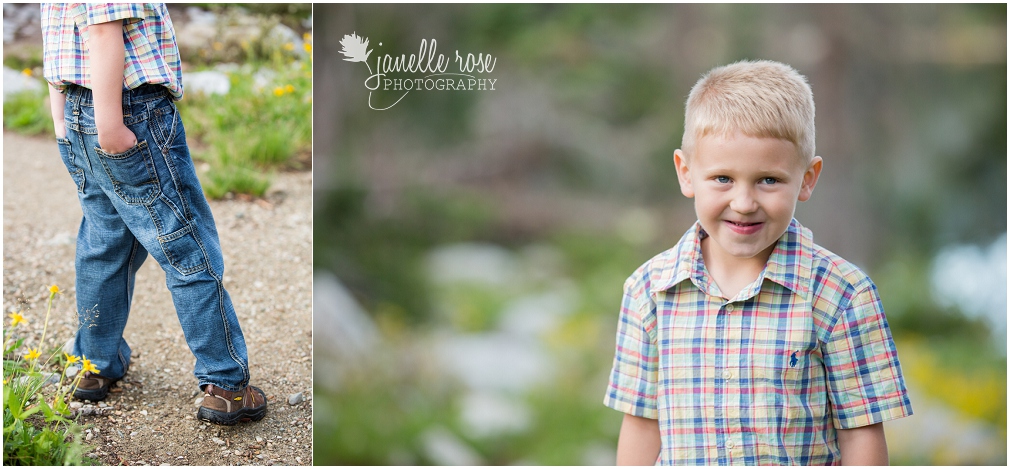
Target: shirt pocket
787	376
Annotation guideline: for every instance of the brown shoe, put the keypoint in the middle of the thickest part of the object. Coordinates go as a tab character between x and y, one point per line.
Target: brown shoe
93	387
228	408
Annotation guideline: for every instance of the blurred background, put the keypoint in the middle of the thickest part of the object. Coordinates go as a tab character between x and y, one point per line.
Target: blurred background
470	247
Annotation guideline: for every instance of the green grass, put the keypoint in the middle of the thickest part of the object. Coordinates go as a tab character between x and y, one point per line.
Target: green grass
253	131
234	179
27	112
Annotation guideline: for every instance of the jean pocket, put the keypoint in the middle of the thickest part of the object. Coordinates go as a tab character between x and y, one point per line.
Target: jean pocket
133	174
67	155
183	251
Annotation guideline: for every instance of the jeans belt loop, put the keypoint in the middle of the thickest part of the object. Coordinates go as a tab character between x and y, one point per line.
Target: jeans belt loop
127	105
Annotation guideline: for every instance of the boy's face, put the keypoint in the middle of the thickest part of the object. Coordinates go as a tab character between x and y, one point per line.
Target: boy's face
745	191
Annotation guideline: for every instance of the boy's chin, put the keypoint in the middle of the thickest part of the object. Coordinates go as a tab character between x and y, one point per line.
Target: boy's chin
744	251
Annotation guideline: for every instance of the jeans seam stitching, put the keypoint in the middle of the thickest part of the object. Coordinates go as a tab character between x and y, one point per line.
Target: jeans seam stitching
172	171
221	309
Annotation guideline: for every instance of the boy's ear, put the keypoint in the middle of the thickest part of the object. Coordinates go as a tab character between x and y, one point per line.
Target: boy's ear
683	173
810	179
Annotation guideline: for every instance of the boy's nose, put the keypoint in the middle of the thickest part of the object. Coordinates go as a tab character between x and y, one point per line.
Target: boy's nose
743	201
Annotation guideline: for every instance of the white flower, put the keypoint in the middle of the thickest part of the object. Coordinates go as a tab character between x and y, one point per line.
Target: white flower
355	48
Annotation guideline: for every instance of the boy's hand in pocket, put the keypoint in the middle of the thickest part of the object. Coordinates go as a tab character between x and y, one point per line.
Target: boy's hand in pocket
117	139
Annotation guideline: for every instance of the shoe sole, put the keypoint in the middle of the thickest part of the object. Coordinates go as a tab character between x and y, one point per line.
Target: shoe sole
94	395
231	418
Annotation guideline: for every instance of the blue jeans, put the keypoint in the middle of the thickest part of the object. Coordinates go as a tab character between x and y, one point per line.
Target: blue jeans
147	200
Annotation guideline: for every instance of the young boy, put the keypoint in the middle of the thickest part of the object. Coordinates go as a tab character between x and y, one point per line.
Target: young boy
746	343
114	74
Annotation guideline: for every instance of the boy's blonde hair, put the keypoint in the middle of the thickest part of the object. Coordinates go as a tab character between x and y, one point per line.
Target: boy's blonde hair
757	98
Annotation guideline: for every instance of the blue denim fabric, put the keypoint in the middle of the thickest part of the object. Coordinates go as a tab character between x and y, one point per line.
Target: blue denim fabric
147	200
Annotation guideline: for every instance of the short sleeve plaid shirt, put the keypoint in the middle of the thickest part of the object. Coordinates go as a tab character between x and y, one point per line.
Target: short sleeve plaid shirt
765	378
152	56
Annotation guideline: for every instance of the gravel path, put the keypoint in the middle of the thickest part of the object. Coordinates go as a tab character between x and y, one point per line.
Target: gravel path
150	418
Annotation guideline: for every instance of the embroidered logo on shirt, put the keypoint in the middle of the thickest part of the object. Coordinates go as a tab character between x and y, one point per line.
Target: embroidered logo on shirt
792	359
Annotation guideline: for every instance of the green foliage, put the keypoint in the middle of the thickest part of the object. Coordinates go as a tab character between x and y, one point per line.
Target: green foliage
24	57
389	415
27	113
380	257
902	281
30	441
567	420
37	424
260	125
473	308
225	179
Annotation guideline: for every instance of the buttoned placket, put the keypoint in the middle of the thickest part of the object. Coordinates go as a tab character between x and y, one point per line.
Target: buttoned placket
728	405
723	376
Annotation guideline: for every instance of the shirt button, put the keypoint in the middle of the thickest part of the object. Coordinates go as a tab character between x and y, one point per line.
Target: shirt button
730	308
727	374
729	444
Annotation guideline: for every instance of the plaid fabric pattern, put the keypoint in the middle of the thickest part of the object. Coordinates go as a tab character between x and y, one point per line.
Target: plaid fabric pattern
765	378
152	56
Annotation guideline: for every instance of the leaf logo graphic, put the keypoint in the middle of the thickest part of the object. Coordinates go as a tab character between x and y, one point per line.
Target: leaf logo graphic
355	48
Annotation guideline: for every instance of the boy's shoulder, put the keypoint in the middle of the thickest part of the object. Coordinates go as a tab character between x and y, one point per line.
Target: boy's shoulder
837	285
826	266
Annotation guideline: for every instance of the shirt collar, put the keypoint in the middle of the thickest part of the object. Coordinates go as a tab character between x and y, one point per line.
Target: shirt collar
788	265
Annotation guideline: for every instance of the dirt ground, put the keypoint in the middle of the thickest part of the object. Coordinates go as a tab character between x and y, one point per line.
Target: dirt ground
150	419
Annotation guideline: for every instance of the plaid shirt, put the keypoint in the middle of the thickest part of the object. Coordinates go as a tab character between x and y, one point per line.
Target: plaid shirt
152	56
765	378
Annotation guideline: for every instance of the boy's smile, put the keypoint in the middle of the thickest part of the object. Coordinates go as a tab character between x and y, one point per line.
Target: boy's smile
745	191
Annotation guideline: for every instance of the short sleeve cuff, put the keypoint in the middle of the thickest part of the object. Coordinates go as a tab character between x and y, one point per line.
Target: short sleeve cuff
626	399
105	12
872	412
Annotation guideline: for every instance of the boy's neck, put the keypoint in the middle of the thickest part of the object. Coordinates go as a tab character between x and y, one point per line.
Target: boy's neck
732	274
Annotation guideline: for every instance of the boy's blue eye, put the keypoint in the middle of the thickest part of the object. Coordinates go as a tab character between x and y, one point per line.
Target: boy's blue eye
769	180
722	179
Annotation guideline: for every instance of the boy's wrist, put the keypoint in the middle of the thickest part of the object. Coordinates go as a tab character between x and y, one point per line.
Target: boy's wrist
108	111
108	122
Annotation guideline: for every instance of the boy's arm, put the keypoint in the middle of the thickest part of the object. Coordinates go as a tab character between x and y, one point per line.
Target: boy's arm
56	103
107	56
863	446
639	442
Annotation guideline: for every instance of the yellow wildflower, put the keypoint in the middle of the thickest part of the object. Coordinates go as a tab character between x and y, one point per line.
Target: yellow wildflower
289	89
308	47
32	354
86	365
218	46
27	72
278	91
307	37
71	359
289	46
17	318
54	289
